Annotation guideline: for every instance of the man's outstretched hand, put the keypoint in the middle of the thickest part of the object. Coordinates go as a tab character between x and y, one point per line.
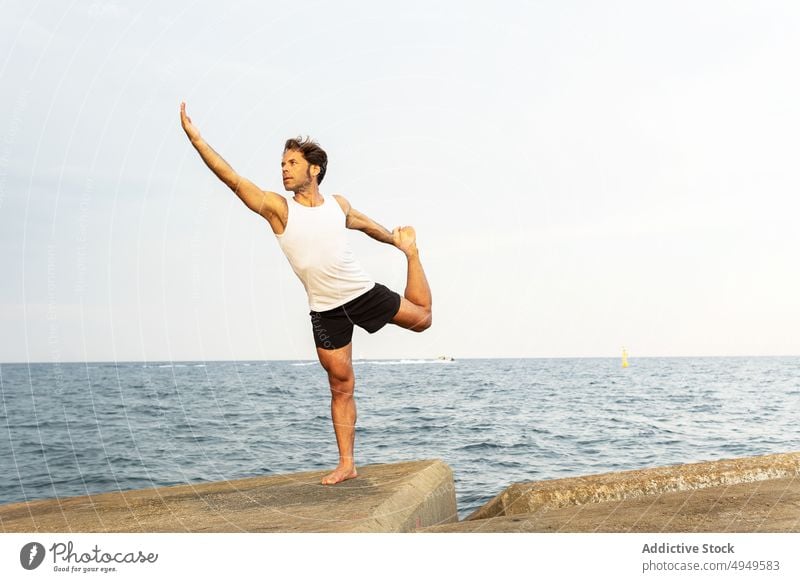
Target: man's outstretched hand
191	131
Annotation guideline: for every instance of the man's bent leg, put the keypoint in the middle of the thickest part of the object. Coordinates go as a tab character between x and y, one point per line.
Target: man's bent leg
338	364
415	306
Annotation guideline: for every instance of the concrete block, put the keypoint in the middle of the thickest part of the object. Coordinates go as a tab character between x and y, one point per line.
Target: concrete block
772	505
525	498
400	497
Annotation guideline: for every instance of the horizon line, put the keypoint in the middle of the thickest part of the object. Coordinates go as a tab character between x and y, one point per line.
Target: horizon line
402	358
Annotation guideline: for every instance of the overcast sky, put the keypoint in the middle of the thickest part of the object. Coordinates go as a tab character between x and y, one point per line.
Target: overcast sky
582	175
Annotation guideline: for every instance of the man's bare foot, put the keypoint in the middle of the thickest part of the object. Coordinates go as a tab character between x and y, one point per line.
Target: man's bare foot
405	239
341	473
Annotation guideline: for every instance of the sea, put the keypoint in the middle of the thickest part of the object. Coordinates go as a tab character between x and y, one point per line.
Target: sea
71	429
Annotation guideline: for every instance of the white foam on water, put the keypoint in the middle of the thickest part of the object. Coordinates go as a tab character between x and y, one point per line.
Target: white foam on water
406	362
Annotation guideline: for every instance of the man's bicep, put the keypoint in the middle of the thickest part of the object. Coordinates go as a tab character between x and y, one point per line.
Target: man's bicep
272	204
353	218
259	201
357	220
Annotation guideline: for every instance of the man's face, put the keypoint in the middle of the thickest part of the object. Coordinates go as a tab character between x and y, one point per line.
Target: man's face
296	171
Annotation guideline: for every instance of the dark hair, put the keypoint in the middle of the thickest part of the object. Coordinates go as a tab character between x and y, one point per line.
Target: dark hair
312	153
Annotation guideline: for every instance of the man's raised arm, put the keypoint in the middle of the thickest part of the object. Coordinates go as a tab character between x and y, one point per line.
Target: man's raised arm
267	204
358	221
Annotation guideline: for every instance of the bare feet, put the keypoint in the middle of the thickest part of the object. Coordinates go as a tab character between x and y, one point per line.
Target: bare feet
341	473
405	239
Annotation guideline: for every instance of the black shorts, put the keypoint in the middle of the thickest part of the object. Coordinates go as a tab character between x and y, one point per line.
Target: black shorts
372	310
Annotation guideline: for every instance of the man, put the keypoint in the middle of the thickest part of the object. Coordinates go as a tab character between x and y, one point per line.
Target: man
310	230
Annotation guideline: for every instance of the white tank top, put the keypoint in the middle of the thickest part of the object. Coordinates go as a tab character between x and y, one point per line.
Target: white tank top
315	242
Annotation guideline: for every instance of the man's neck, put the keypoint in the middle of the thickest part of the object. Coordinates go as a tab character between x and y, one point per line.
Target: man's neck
309	196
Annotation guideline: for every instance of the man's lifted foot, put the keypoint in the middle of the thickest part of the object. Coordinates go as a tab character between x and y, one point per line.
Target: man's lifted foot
341	473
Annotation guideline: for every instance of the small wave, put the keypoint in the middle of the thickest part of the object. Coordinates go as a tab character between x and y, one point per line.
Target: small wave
507	464
303	363
480	447
406	362
199	365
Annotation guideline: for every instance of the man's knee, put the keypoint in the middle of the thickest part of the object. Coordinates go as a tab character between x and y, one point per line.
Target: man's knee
341	379
340	376
341	386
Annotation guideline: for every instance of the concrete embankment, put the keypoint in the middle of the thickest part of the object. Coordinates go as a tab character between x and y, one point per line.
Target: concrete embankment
399	497
755	494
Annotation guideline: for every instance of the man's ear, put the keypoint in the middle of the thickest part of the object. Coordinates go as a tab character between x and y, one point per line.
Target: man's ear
315	170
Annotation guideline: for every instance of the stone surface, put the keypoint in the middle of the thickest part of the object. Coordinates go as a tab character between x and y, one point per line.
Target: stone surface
525	498
771	505
397	497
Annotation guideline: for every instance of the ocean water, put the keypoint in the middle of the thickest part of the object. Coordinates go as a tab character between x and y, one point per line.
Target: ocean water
73	429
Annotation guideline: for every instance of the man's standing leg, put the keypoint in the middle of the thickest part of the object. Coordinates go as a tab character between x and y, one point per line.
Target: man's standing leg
416	304
338	364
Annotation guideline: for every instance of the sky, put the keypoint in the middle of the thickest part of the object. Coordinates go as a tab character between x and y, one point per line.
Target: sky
582	176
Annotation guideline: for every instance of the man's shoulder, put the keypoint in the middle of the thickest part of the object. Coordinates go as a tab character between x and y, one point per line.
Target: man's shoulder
276	202
343	203
272	194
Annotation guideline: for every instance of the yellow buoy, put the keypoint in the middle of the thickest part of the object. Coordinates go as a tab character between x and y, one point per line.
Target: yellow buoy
624	358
